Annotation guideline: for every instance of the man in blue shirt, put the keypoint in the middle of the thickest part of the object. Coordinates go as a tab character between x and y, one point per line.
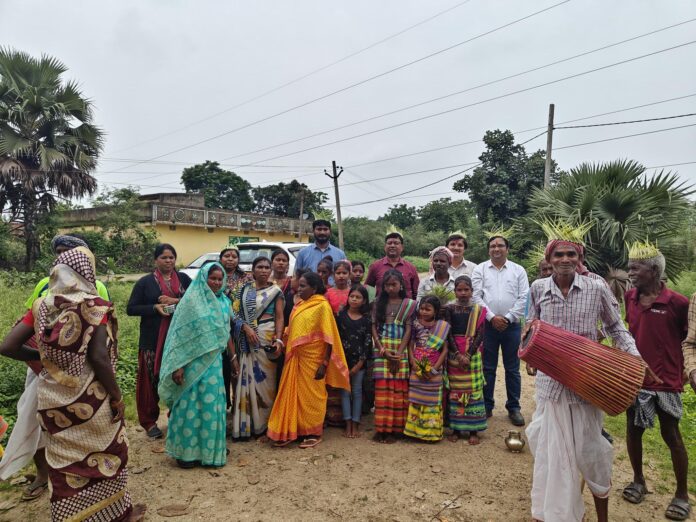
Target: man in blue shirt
310	255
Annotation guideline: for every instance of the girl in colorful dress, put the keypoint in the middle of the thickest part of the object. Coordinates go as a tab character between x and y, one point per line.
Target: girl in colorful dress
391	330
467	411
337	295
427	355
355	328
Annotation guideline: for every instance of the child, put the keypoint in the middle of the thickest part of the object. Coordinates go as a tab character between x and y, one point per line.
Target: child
324	269
355	327
467	411
427	355
391	331
357	272
337	295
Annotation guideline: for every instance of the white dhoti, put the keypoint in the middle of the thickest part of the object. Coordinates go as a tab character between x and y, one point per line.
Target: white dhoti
26	436
567	444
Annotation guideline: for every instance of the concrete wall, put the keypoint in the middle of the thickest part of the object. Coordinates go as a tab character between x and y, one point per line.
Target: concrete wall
190	241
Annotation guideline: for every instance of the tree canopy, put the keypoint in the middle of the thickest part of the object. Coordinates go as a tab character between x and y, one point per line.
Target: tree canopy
500	188
221	188
401	216
283	199
49	143
623	205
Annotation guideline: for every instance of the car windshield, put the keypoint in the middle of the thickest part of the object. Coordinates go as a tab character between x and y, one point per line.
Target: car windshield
247	254
295	250
202	260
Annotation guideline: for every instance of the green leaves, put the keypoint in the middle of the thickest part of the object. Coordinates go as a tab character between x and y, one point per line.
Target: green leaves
48	143
626	206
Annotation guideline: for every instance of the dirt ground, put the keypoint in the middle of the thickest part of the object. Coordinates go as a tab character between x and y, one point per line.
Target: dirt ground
355	479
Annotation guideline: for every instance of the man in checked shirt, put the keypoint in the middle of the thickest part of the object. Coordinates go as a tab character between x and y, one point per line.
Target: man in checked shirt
565	433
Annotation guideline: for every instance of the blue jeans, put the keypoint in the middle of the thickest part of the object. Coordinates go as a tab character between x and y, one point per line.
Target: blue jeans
355	394
509	341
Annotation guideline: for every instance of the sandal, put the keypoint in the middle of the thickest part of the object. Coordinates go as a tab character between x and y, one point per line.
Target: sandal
310	442
281	443
678	509
635	492
34	491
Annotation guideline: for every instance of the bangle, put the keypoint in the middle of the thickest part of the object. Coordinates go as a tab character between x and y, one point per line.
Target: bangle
282	344
325	363
234	356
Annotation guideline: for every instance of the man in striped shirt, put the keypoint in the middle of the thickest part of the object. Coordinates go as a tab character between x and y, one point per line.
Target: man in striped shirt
565	433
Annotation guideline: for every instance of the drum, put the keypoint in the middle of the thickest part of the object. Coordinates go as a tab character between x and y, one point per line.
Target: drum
602	375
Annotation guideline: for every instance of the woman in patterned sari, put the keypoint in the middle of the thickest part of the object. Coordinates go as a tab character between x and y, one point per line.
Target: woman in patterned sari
258	332
467	412
191	383
313	358
80	406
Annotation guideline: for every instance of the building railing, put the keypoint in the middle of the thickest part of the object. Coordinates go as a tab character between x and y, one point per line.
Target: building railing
173	215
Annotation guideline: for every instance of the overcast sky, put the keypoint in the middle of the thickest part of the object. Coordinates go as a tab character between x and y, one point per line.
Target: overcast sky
159	68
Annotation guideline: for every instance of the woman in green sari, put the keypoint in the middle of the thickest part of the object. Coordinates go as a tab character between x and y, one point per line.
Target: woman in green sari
191	382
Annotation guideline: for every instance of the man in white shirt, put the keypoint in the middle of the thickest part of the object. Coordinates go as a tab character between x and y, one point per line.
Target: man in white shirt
502	287
457	244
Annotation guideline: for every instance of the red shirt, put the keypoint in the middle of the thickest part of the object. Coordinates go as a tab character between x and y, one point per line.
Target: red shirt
659	330
337	298
376	272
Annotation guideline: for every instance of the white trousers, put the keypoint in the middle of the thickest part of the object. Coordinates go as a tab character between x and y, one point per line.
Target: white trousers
567	445
26	436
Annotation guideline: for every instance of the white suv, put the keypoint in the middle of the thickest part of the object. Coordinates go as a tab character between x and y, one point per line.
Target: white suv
247	253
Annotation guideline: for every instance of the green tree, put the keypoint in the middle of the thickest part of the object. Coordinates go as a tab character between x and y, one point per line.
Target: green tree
365	235
445	215
221	188
624	205
283	199
500	188
49	144
401	216
120	241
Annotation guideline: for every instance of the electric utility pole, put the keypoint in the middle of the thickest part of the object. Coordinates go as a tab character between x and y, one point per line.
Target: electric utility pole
549	146
334	177
301	231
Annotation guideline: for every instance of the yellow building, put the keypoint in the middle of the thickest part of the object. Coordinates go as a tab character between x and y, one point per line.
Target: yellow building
185	222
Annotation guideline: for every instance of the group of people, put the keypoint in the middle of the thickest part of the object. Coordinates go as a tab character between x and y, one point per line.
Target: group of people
278	356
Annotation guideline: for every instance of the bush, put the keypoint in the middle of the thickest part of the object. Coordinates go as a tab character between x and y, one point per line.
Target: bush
422	264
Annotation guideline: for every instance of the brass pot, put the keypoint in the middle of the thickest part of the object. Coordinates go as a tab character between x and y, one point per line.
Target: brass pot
514	441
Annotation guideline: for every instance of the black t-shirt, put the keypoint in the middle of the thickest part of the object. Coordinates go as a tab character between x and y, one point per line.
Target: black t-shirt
356	337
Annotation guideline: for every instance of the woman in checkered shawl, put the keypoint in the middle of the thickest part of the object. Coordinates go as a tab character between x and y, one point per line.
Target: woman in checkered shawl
80	405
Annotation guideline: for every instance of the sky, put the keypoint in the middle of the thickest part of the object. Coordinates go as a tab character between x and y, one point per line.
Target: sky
175	83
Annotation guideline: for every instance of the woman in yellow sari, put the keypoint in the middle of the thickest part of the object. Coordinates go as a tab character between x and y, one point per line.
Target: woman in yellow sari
313	358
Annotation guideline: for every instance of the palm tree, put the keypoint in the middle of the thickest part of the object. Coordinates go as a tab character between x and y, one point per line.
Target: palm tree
624	205
48	143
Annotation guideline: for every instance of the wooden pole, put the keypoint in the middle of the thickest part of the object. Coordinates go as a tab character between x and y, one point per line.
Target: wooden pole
549	147
334	177
301	231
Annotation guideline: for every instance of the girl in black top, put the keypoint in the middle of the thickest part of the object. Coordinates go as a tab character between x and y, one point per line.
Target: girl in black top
355	329
151	299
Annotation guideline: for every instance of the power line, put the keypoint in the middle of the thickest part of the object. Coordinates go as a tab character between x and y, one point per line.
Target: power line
461	144
624	137
671	165
481	102
456	93
479	163
625	122
299	78
356	84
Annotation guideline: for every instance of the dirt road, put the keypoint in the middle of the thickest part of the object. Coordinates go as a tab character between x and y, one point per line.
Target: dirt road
347	479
